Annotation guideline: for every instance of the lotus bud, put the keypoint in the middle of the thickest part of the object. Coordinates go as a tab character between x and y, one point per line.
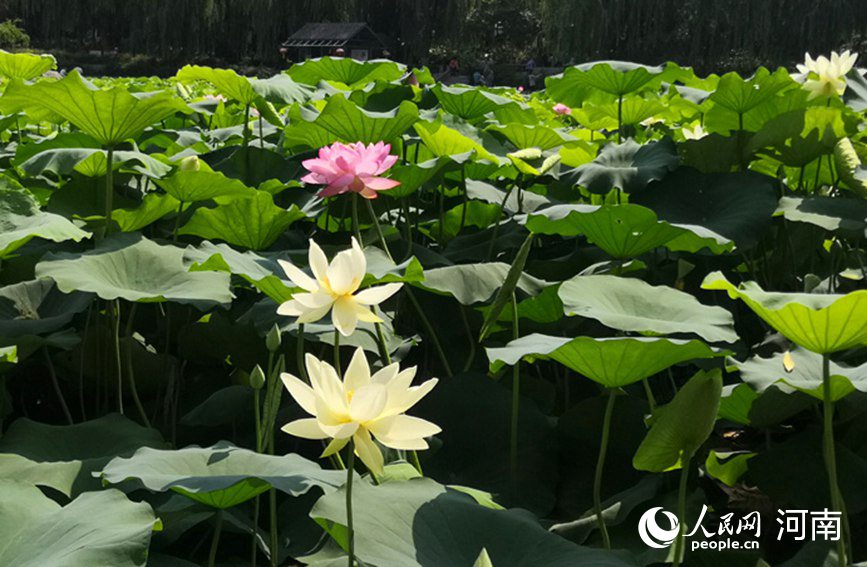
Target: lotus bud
257	378
527	153
190	163
273	339
549	163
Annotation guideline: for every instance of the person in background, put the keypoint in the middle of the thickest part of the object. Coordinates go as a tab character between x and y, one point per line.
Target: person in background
488	73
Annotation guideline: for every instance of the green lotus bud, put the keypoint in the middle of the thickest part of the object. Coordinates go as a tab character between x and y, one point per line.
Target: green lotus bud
484	560
273	339
190	163
526	153
549	163
257	378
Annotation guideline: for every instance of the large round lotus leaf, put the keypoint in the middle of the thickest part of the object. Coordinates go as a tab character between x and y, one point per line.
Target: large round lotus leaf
683	425
524	136
628	166
613	362
820	323
64	457
469	103
629	304
613	77
97	528
25	66
345	70
737	206
226	81
419	523
475	283
848	216
281	89
131	267
252	221
349	123
802	372
35	307
108	116
747	102
220	476
21	220
624	231
849	166
190	186
797	137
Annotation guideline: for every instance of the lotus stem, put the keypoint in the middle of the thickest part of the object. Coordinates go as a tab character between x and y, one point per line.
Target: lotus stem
254	546
620	119
272	508
119	365
299	354
430	331
380	340
831	458
376	226
109	189
681	509
600	466
215	540
337	365
177	222
356	229
350	469
470	337
130	372
56	384
516	404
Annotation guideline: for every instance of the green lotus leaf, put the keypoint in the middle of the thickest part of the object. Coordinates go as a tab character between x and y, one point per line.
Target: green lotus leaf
35	307
419	523
221	476
226	81
476	283
129	266
97	528
849	167
108	116
260	270
805	375
443	141
613	77
281	89
613	362
64	457
489	193
413	175
797	137
628	166
469	103
524	136
633	110
253	221
624	231
346	71
92	162
153	207
253	165
847	216
192	186
820	323
747	102
737	206
25	66
629	304
21	220
350	123
681	426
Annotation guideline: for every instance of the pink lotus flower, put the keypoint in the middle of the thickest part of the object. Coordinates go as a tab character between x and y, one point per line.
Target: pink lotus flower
562	109
344	168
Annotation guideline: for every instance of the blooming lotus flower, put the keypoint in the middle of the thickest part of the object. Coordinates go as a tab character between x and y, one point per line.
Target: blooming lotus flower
359	406
694	133
561	109
823	76
335	289
354	168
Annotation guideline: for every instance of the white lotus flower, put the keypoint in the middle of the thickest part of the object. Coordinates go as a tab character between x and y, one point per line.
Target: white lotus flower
694	133
823	76
335	289
360	406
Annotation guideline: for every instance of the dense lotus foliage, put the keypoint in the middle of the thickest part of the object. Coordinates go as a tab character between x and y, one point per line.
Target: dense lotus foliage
350	315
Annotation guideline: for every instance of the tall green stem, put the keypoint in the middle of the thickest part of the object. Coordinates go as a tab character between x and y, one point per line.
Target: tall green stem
130	371
337	365
119	365
109	188
56	384
356	229
831	458
516	403
378	228
600	466
620	119
177	222
215	540
681	509
299	354
350	529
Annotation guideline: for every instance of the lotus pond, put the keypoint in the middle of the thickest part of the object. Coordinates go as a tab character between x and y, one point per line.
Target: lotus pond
348	315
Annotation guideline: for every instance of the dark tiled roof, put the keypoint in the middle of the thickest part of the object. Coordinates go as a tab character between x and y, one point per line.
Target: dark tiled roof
353	34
